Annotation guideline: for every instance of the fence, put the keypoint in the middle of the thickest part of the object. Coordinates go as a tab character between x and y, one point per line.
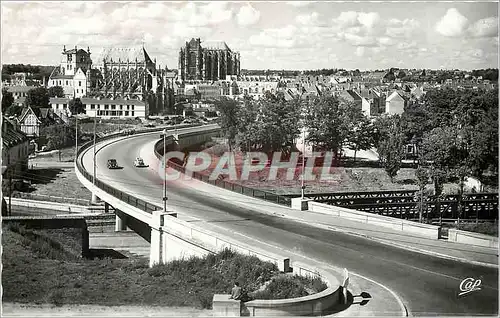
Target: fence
260	194
404	204
129	199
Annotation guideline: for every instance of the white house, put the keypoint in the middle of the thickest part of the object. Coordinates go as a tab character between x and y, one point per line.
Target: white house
395	104
116	108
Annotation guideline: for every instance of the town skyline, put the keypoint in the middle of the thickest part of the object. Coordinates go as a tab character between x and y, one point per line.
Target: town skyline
304	36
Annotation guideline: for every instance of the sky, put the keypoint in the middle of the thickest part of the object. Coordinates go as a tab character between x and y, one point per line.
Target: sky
268	34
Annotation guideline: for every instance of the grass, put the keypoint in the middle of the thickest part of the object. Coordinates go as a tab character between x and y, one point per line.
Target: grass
60	182
488	228
38	270
341	179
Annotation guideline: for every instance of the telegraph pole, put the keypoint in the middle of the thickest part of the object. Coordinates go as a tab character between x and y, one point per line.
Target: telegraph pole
95	126
303	187
10	194
76	137
165	170
94	197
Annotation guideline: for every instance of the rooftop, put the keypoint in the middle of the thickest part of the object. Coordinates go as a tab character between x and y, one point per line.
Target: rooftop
215	45
105	101
116	54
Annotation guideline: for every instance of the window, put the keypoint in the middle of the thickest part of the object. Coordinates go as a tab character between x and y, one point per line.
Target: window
113	106
132	109
64	106
132	114
106	106
92	106
66	83
121	107
70	57
79	83
126	113
128	107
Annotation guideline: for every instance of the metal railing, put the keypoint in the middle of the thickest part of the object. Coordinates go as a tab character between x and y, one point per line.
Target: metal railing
227	185
129	199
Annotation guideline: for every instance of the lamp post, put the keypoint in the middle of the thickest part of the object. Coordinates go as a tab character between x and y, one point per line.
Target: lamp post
94	197
76	137
165	170
303	187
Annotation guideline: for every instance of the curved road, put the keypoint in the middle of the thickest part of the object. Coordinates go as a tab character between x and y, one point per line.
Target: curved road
428	285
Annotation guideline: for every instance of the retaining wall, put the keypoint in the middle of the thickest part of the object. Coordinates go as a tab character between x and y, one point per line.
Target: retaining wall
430	231
48	222
70	208
472	238
312	305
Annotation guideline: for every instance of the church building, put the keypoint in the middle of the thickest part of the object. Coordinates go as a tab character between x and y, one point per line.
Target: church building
207	61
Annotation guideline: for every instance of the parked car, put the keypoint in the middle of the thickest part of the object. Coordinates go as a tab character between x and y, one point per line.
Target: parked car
112	164
138	162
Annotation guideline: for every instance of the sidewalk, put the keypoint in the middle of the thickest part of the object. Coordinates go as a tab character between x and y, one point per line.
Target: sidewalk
30	310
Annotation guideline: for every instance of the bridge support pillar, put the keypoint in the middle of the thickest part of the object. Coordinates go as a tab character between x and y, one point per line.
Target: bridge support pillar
120	223
94	199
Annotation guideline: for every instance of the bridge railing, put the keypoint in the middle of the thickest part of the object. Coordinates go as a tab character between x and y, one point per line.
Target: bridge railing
129	199
235	187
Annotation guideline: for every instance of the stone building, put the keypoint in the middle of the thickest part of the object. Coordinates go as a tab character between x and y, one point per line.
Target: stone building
207	61
71	72
130	74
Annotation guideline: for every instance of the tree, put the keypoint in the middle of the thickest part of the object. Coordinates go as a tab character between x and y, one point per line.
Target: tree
422	175
58	136
37	98
7	99
270	124
390	144
14	110
362	136
76	107
401	74
390	77
330	120
229	110
56	91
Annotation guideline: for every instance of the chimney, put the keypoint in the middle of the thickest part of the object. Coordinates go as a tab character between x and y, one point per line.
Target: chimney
64	48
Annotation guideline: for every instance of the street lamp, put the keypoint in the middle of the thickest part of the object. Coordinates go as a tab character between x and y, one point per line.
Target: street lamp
165	170
76	137
303	187
94	197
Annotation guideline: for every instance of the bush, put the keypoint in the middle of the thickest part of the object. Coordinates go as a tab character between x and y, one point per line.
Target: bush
488	228
286	286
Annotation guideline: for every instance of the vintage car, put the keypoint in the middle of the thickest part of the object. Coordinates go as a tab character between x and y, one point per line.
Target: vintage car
138	162
112	164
